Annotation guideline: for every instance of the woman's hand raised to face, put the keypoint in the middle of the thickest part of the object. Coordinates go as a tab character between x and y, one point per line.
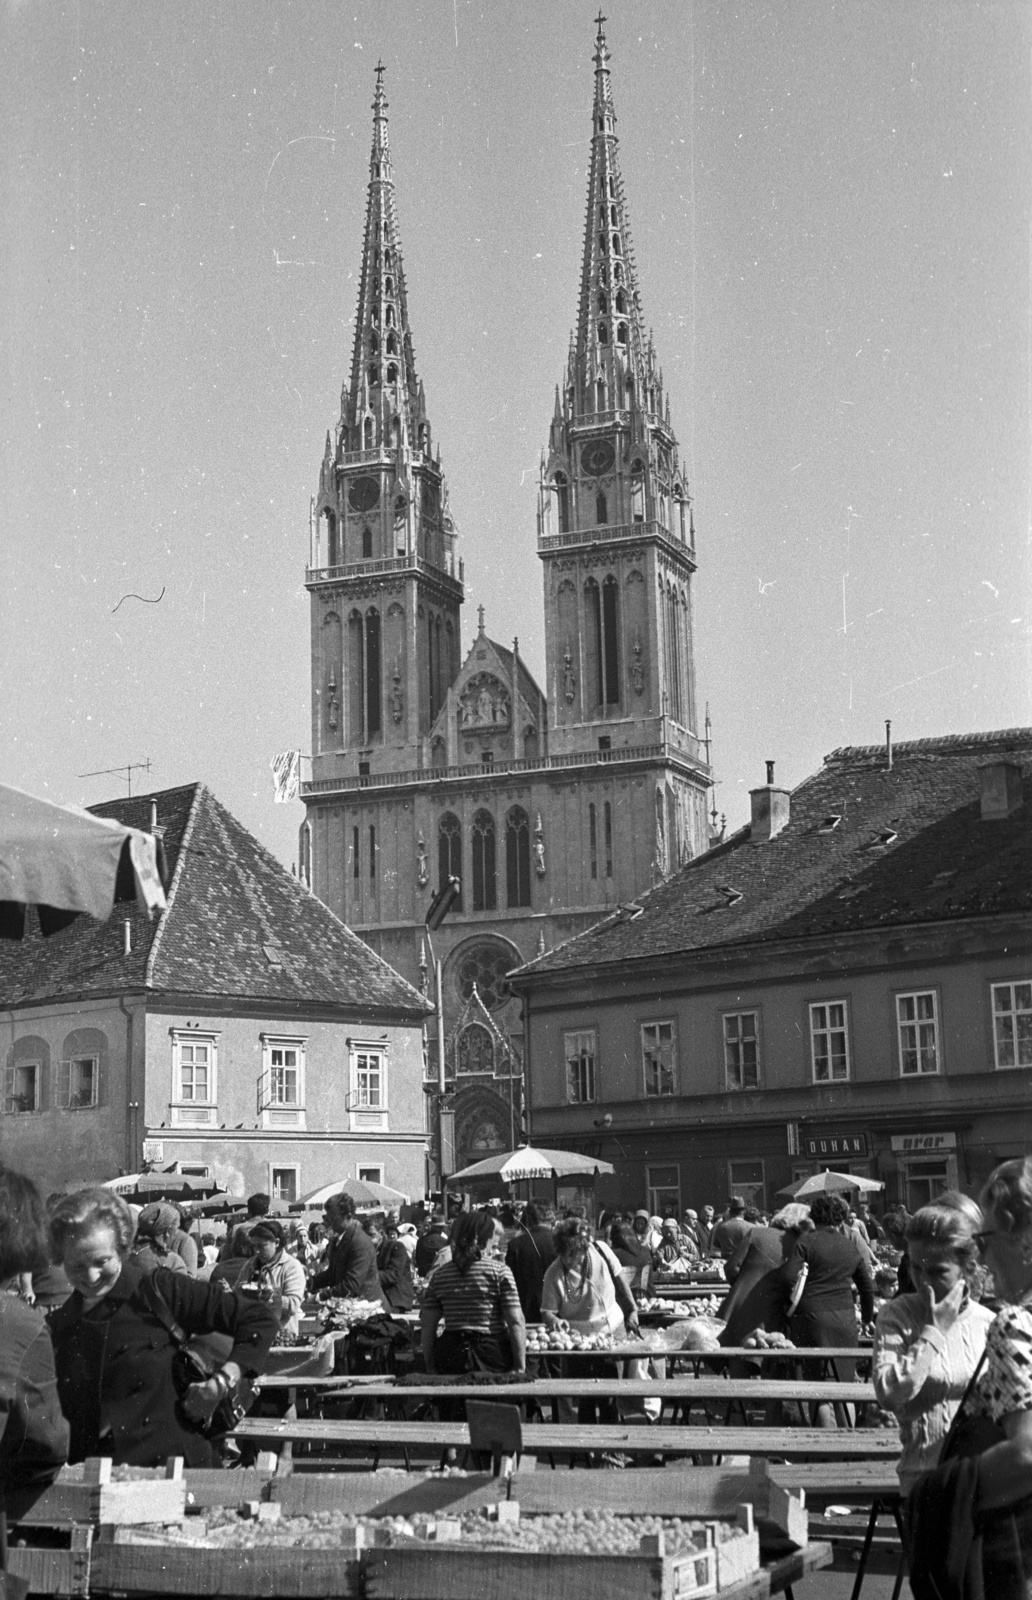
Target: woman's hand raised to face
942	1314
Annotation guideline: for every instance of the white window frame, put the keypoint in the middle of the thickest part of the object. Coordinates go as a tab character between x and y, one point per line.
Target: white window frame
1013	1013
67	1099
827	1028
911	1030
364	1116
188	1112
730	1044
655	1028
653	1189
37	1085
284	1166
364	1168
580	1051
280	1113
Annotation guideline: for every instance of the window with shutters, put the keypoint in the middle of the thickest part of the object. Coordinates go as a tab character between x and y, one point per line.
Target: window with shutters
917	1020
281	1087
78	1083
658	1058
22	1087
829	1041
741	1049
367	1096
580	1050
194	1063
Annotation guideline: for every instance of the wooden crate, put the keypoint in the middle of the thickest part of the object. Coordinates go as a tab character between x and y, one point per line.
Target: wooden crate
457	1572
87	1495
264	1572
54	1572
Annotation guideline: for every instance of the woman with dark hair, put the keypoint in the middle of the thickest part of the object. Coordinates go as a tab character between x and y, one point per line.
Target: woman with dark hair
33	1433
114	1346
756	1298
928	1344
584	1290
824	1316
475	1296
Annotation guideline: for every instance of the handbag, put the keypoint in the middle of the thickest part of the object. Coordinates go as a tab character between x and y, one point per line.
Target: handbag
190	1366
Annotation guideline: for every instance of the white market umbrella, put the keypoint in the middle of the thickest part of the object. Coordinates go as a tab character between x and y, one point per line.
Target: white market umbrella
365	1193
66	861
829	1183
518	1166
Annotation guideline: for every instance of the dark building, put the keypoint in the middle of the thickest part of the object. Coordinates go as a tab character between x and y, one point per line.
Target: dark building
845	983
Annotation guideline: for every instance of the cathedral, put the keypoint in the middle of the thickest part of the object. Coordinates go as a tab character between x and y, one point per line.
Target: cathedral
550	804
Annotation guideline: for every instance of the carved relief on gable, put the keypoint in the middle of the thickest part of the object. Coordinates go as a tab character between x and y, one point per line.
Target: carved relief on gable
484	703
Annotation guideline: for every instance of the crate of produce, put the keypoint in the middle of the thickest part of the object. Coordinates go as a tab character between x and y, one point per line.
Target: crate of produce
95	1493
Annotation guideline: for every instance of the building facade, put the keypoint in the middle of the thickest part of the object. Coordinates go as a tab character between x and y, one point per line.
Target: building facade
845	983
429	763
246	1036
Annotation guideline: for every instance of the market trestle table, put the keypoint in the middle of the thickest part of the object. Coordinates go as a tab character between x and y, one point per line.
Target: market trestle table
846	1444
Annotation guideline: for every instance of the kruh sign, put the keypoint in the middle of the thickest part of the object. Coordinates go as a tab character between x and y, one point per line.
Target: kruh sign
913	1144
834	1146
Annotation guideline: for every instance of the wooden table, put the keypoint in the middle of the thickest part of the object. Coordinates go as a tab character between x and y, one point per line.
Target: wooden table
582	1439
729	1389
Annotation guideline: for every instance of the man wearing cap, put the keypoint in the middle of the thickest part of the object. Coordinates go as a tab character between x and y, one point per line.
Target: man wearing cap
155	1231
277	1275
731	1230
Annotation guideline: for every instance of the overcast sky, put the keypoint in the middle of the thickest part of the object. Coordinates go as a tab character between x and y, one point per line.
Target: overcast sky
830	210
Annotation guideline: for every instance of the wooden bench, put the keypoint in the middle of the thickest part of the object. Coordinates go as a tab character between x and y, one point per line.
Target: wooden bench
575	1439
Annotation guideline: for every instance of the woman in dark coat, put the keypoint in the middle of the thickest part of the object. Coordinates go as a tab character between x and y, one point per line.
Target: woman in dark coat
825	1317
757	1298
33	1433
113	1350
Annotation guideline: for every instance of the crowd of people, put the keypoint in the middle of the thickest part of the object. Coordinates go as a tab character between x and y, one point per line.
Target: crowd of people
124	1333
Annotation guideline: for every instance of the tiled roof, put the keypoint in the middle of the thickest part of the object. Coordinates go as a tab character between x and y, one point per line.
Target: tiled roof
237	925
909	847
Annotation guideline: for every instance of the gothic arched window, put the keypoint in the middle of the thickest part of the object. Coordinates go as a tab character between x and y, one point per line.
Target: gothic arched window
621	302
562	494
612	215
600	508
374	344
449	852
637	492
392	345
603	304
476	1049
388	285
367	543
603	333
392	369
372	673
485	888
367	434
517	857
593	840
610	624
616	244
621	333
374	373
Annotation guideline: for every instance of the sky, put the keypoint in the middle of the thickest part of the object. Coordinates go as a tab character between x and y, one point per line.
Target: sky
829	202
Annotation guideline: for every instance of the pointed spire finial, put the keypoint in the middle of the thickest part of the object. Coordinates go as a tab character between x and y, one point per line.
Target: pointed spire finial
480	619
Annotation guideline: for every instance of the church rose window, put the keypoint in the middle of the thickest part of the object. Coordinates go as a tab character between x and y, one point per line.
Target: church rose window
449	852
517	857
485	890
485	965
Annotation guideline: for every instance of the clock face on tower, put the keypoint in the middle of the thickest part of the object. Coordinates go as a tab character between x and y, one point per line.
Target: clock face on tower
363	493
597	456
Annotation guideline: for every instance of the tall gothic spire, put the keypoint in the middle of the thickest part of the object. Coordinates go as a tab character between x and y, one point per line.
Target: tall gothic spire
612	363
383	383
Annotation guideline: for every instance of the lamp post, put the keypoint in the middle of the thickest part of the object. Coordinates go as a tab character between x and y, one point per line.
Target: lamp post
437	910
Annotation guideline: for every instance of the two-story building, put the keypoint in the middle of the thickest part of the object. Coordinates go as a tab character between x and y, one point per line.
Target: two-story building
846	983
246	1035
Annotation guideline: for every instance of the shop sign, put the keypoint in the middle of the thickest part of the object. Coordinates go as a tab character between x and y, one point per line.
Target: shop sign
153	1150
826	1146
913	1144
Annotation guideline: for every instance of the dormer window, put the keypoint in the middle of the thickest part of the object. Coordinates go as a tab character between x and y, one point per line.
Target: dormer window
830	823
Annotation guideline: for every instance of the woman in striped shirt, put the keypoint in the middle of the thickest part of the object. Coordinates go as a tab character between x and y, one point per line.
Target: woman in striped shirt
476	1297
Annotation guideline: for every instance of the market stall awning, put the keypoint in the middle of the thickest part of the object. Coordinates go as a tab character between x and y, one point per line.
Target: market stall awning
66	862
366	1195
517	1166
829	1183
144	1187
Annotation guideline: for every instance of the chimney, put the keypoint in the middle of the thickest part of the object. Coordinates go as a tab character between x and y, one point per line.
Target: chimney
770	808
888	744
153	816
1001	789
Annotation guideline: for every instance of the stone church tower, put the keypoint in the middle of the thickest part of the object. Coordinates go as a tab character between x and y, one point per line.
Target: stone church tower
549	807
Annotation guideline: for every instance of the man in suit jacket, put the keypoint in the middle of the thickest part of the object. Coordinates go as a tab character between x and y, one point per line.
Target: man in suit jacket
351	1259
528	1255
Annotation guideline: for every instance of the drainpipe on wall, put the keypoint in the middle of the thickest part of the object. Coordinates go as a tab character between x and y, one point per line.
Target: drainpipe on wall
132	1104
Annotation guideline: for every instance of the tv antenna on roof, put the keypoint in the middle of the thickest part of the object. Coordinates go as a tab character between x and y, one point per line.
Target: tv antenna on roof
126	771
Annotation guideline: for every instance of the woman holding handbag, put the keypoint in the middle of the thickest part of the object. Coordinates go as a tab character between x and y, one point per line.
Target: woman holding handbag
120	1341
970	1521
